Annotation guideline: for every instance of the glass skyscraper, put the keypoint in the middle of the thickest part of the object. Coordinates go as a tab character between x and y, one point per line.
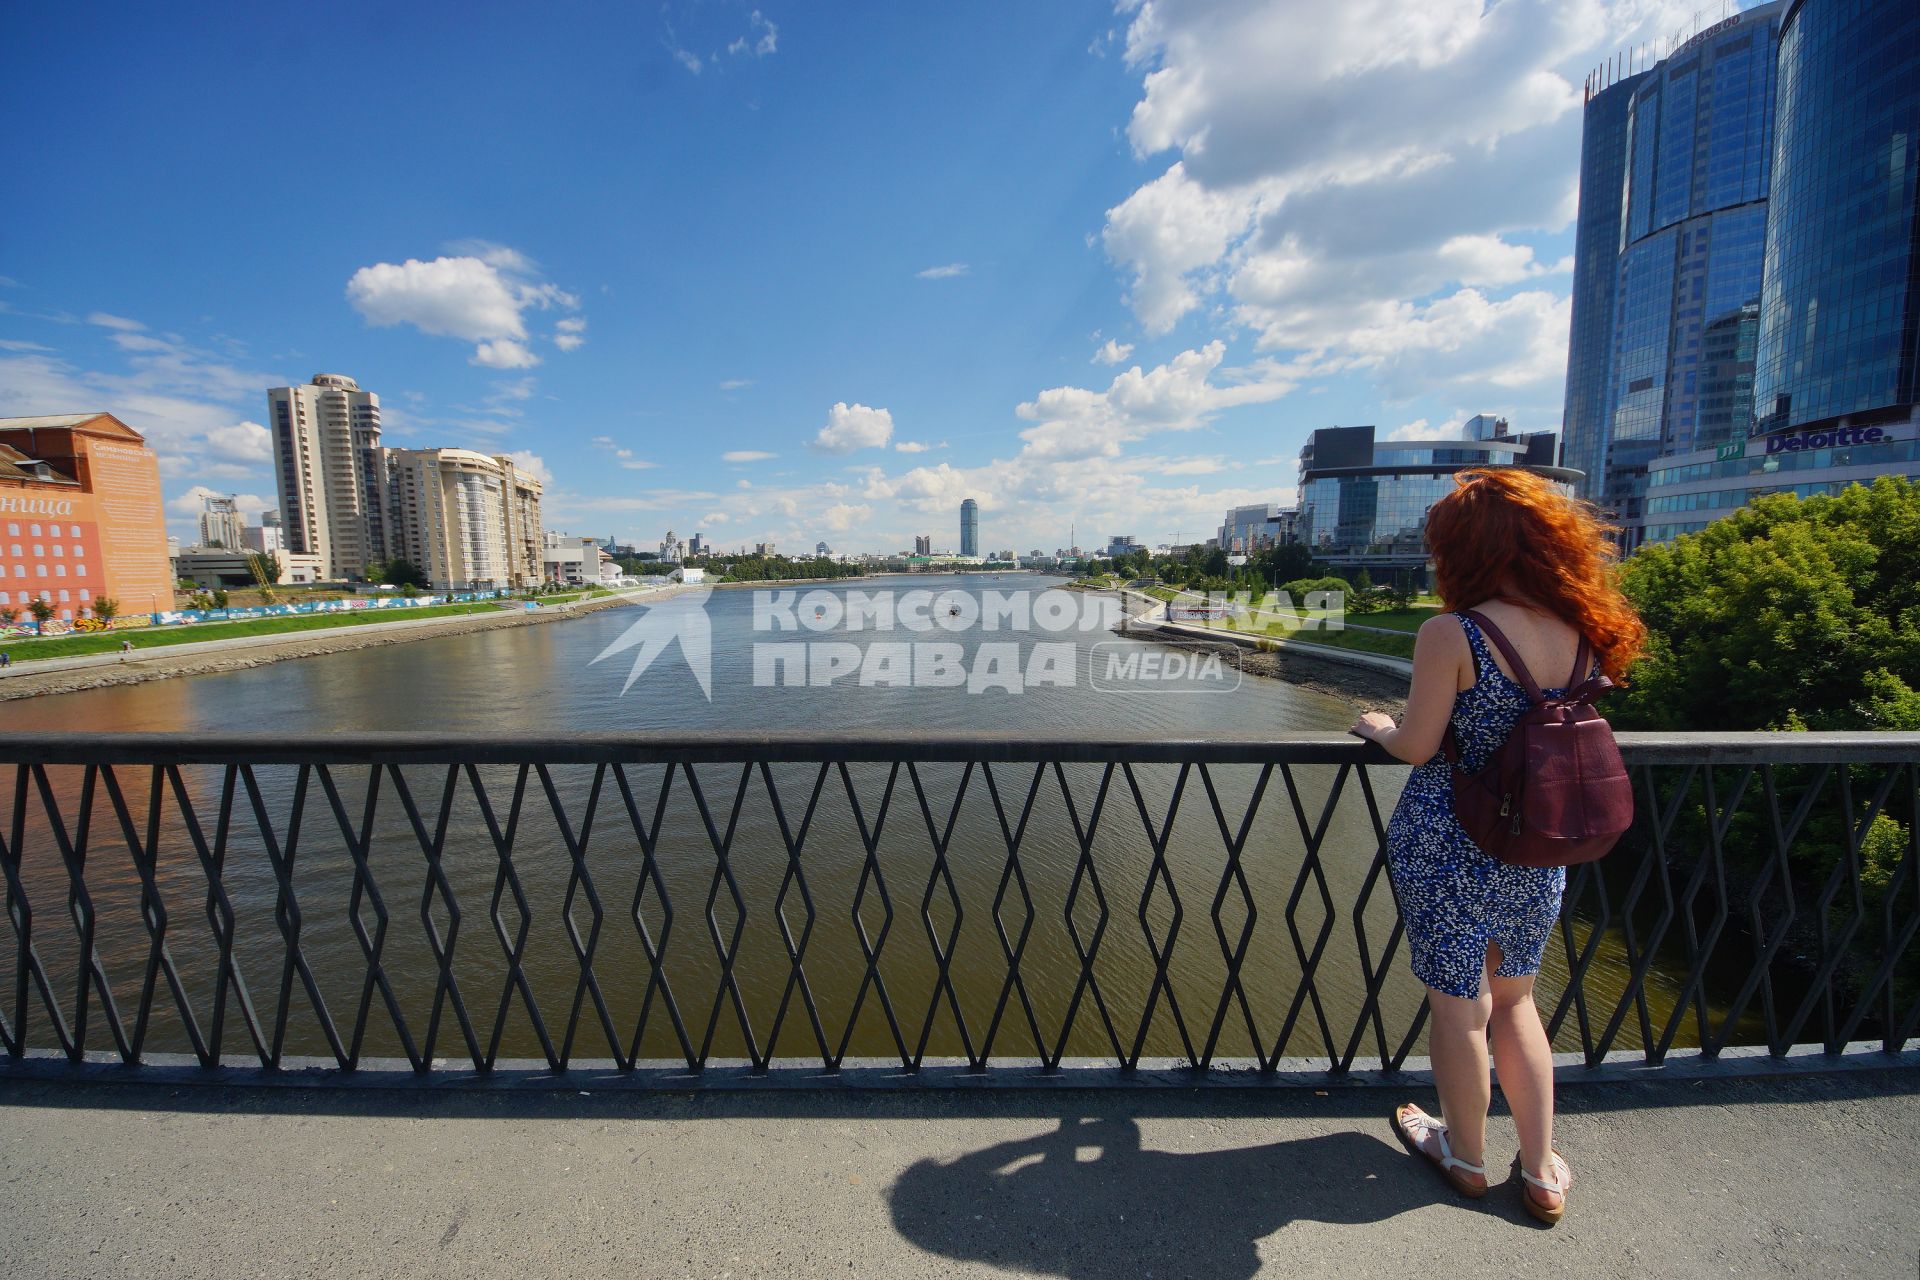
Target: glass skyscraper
1596	273
1679	159
1840	333
1839	317
969	528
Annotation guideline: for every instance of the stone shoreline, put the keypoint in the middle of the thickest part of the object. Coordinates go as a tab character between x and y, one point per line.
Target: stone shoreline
159	664
1367	690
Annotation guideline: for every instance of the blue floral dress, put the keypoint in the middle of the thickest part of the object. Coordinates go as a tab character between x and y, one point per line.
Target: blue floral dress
1454	898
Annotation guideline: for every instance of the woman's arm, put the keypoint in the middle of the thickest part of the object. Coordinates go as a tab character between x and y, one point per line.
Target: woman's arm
1440	658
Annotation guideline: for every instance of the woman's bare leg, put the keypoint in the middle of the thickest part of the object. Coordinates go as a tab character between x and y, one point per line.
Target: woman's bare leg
1457	1043
1524	1059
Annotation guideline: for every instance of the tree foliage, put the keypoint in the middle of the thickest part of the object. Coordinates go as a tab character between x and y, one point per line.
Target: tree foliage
1788	613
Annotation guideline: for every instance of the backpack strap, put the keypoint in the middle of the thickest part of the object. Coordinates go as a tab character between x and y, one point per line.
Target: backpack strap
1582	665
1500	641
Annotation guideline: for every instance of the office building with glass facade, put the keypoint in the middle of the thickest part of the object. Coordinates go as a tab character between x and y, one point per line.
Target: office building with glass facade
1596	270
1838	352
1688	172
1364	501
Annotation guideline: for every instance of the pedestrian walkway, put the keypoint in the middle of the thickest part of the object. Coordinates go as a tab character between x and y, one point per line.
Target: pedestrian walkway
1809	1175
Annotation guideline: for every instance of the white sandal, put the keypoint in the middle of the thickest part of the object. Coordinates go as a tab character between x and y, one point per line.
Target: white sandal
1412	1125
1561	1184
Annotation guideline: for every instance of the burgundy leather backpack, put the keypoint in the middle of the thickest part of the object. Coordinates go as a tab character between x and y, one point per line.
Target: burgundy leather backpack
1556	793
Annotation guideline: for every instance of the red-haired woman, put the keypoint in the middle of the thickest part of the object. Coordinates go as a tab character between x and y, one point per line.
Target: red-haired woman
1510	546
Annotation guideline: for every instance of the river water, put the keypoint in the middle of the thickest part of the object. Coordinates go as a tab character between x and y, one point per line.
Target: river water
716	922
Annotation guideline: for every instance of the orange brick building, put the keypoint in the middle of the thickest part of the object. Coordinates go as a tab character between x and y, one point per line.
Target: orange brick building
81	516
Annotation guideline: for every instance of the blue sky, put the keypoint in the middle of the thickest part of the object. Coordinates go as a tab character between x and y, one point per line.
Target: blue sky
804	272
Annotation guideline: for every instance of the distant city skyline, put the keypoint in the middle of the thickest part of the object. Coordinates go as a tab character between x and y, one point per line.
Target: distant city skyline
791	313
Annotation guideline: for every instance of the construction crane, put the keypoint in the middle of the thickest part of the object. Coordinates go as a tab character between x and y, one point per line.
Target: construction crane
257	562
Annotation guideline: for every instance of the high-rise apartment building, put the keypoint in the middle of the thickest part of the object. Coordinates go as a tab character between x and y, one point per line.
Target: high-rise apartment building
521	492
1675	174
327	465
923	544
969	528
221	524
461	517
1836	390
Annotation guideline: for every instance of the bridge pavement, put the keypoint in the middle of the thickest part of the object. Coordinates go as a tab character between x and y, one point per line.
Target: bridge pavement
1797	1176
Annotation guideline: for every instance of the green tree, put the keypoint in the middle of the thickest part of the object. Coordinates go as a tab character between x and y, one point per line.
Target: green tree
403	573
41	608
220	598
105	608
8	615
1788	612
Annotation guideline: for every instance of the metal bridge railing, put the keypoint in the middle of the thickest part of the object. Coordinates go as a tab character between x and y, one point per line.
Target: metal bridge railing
439	904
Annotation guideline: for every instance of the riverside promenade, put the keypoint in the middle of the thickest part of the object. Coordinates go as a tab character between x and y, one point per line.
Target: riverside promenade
29	677
1800	1175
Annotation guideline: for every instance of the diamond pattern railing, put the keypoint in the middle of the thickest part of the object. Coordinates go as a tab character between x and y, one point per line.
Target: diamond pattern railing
434	902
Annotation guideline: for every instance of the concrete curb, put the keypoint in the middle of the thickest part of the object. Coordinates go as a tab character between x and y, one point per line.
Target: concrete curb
933	1075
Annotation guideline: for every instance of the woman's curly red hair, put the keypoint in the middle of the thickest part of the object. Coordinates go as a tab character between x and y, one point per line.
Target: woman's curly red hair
1509	532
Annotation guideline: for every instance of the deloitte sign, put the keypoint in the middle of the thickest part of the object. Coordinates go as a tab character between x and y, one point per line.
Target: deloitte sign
1803	441
1837	438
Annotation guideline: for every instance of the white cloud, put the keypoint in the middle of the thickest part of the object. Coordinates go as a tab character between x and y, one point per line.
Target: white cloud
1112	351
10	344
762	37
479	296
570	333
843	516
713	517
503	353
1077	422
248	441
854	426
533	464
947	272
1421	429
188	505
747	455
624	456
1395	174
106	321
736	384
916	446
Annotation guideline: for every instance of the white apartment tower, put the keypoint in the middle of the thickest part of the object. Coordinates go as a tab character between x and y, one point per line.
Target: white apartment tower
327	464
468	521
221	524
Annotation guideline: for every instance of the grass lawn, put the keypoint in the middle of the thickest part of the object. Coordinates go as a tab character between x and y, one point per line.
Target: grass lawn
160	637
1407	620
